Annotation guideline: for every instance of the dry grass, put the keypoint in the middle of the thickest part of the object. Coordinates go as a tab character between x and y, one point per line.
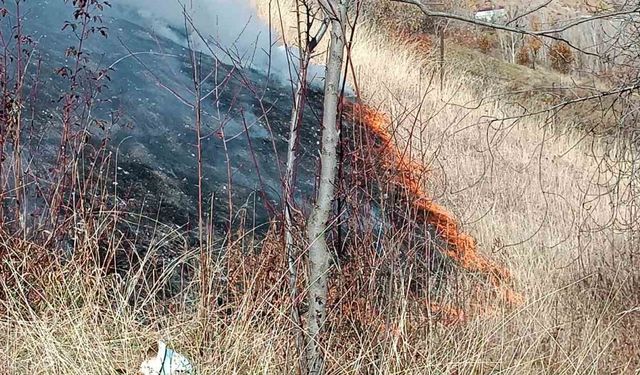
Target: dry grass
519	187
79	320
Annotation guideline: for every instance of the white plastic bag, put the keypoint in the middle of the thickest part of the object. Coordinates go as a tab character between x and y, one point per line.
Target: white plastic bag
166	362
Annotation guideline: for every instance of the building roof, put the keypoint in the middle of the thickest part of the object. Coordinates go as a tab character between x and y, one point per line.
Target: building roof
487	9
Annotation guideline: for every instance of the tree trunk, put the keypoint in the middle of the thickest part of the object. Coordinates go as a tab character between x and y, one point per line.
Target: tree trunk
306	50
289	199
319	256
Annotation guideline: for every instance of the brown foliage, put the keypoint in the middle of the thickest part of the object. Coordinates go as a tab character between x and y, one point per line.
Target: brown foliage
523	57
485	42
561	57
535	44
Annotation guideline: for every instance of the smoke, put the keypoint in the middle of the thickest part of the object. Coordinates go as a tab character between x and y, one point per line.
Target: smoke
231	28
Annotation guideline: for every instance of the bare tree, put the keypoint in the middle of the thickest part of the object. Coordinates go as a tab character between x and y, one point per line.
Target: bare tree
306	46
319	257
510	41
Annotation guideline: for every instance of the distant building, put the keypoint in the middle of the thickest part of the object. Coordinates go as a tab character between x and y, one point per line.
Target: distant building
492	15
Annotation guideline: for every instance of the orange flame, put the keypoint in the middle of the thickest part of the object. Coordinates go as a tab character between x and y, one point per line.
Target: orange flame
462	247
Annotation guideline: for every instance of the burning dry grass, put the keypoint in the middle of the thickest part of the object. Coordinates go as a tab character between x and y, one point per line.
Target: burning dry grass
407	175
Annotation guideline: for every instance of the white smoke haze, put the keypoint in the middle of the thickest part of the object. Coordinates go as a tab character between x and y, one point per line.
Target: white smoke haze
231	24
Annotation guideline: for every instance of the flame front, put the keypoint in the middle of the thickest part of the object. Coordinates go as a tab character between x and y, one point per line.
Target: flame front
462	247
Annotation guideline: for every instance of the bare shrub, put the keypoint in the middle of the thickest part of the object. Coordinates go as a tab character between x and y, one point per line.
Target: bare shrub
486	42
561	57
523	57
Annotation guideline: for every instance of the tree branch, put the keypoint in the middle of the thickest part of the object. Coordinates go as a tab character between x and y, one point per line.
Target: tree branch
520	16
313	42
550	33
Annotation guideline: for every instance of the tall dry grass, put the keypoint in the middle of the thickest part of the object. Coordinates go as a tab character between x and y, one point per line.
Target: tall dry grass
68	317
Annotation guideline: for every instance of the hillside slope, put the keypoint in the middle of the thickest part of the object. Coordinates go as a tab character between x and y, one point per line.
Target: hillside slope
539	195
527	188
